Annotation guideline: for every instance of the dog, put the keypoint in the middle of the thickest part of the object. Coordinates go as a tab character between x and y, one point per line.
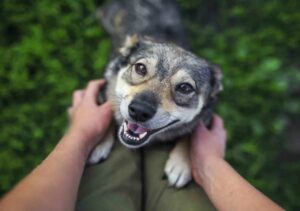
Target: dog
159	90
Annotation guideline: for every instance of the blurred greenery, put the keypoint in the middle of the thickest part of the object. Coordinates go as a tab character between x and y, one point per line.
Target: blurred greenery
49	48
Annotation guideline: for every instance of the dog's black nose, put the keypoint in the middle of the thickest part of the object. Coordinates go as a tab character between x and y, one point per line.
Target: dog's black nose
141	111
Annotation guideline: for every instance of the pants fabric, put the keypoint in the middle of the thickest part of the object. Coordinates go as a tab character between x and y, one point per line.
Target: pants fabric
133	180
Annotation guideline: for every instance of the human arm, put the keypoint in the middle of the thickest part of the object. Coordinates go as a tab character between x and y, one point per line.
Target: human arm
224	186
54	183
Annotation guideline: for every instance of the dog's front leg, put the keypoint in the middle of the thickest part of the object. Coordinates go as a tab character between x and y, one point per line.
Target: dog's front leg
103	149
178	166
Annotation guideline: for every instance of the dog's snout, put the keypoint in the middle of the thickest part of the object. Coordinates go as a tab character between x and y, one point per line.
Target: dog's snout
140	111
143	106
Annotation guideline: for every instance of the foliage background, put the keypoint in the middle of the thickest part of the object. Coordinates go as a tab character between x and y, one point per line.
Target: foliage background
49	48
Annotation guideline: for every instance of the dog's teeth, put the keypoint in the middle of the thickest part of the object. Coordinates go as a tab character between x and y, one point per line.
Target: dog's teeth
133	138
125	126
143	135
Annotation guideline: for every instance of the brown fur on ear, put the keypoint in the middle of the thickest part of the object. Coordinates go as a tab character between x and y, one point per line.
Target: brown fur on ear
216	82
130	43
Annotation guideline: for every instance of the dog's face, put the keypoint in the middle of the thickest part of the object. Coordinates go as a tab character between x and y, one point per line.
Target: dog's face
160	89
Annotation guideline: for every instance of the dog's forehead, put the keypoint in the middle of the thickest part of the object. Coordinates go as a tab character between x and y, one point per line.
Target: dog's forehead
174	57
170	59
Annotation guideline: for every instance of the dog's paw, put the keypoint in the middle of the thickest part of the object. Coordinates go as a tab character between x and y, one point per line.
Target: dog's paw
178	170
100	152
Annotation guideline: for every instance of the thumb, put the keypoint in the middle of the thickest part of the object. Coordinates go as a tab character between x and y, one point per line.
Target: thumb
106	113
106	107
201	131
93	88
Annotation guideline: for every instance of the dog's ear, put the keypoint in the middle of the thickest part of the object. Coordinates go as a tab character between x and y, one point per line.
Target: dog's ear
216	80
216	87
130	44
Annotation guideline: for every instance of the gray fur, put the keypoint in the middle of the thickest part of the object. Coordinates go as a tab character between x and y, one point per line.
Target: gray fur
160	20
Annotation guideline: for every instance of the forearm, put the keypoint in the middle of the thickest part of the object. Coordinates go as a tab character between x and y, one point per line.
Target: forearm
56	179
229	191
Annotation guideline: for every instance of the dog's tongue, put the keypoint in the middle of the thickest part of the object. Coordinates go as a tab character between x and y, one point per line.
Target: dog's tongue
136	128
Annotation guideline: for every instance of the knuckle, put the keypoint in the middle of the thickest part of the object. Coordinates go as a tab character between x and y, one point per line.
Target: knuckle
77	92
92	83
220	119
225	134
95	83
219	122
222	122
70	111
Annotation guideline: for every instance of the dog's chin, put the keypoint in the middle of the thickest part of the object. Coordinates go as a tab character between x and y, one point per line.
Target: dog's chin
134	135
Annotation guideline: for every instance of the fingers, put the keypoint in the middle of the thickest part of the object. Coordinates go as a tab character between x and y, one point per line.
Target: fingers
217	123
70	111
106	107
77	97
223	135
218	127
90	92
106	114
93	88
200	131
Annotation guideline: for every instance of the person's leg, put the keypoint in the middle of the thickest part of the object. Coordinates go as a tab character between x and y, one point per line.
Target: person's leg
158	194
114	184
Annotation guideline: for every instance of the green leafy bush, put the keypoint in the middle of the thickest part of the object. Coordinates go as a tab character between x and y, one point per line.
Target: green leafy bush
49	48
257	45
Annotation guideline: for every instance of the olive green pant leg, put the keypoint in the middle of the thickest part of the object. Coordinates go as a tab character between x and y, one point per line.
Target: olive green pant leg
113	185
158	194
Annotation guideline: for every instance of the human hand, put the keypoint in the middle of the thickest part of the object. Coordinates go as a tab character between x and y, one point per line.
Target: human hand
89	120
207	144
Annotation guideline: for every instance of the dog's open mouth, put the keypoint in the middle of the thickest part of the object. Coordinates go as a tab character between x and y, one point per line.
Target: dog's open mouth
134	135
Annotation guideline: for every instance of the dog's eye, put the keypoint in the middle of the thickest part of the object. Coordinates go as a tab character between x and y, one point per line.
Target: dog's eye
140	69
184	88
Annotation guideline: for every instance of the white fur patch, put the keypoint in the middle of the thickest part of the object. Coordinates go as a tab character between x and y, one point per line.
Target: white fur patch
188	114
122	88
182	76
129	43
102	150
178	167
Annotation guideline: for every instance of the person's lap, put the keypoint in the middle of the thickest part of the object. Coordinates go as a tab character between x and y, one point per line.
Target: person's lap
118	184
159	195
114	184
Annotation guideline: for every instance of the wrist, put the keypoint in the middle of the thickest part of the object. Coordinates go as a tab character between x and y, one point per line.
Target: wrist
205	168
77	140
